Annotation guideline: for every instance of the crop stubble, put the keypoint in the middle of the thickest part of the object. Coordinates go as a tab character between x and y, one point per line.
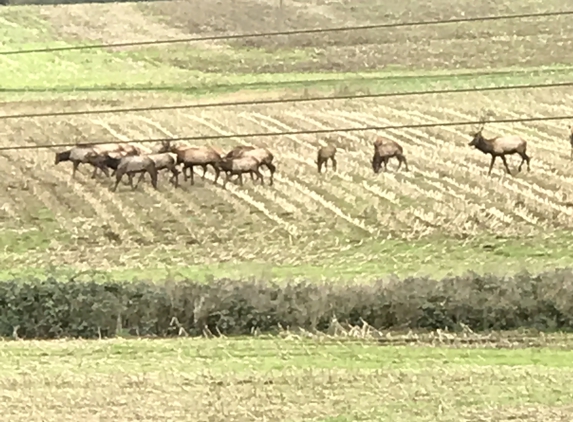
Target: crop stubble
445	191
266	379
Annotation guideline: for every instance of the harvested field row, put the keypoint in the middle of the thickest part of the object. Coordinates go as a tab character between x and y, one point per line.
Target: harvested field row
446	189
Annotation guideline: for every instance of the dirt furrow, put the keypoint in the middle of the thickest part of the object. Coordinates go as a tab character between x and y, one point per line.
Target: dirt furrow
470	208
310	194
303	187
526	193
402	186
224	222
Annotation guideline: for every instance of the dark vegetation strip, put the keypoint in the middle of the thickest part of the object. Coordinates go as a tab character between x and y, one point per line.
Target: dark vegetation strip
53	308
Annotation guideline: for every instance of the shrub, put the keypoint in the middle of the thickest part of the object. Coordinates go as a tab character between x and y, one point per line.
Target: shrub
52	308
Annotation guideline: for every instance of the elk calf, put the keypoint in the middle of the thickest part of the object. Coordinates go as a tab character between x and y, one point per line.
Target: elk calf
238	166
501	146
384	149
324	154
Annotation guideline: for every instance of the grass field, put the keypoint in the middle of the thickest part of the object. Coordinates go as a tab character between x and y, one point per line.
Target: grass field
319	379
445	215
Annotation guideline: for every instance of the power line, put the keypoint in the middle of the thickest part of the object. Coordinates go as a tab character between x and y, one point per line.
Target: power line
292	32
289	100
298	132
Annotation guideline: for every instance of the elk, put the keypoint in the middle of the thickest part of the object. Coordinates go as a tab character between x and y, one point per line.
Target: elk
81	155
324	154
119	150
194	156
238	166
500	146
263	156
131	165
384	149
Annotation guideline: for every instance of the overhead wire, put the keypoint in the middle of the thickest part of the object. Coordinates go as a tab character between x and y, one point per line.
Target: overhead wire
290	32
288	100
297	132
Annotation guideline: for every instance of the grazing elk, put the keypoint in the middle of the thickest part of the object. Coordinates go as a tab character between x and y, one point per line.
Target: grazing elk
194	156
81	155
500	146
324	154
131	165
238	166
262	155
384	149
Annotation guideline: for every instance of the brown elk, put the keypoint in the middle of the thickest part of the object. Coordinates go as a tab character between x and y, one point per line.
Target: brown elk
500	146
194	156
262	155
384	149
80	155
238	166
324	154
131	165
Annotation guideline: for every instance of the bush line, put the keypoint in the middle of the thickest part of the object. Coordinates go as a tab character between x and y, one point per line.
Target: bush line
55	308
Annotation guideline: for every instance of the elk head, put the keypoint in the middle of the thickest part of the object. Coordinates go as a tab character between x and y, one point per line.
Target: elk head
476	135
165	147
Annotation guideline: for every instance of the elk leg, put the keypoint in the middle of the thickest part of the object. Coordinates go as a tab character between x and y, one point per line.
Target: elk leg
505	164
191	175
118	178
524	158
259	175
241	178
94	172
403	159
491	164
399	163
75	168
226	179
217	173
140	179
333	163
204	171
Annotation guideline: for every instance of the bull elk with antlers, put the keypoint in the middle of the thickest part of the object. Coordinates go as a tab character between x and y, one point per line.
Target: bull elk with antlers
500	146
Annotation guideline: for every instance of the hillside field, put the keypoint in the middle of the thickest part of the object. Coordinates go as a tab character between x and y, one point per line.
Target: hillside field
444	215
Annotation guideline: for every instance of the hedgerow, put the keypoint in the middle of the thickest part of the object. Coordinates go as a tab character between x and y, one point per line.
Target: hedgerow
54	307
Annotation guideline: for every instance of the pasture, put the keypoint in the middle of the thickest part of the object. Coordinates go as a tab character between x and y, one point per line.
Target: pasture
444	215
289	378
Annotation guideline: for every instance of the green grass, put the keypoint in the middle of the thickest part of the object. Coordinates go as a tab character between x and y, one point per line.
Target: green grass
246	379
363	262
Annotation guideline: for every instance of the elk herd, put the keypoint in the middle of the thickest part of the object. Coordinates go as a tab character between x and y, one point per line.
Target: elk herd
176	158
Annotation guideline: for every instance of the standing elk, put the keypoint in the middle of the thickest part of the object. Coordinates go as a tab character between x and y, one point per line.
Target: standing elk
238	166
131	165
324	154
194	156
384	149
500	146
262	155
80	155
